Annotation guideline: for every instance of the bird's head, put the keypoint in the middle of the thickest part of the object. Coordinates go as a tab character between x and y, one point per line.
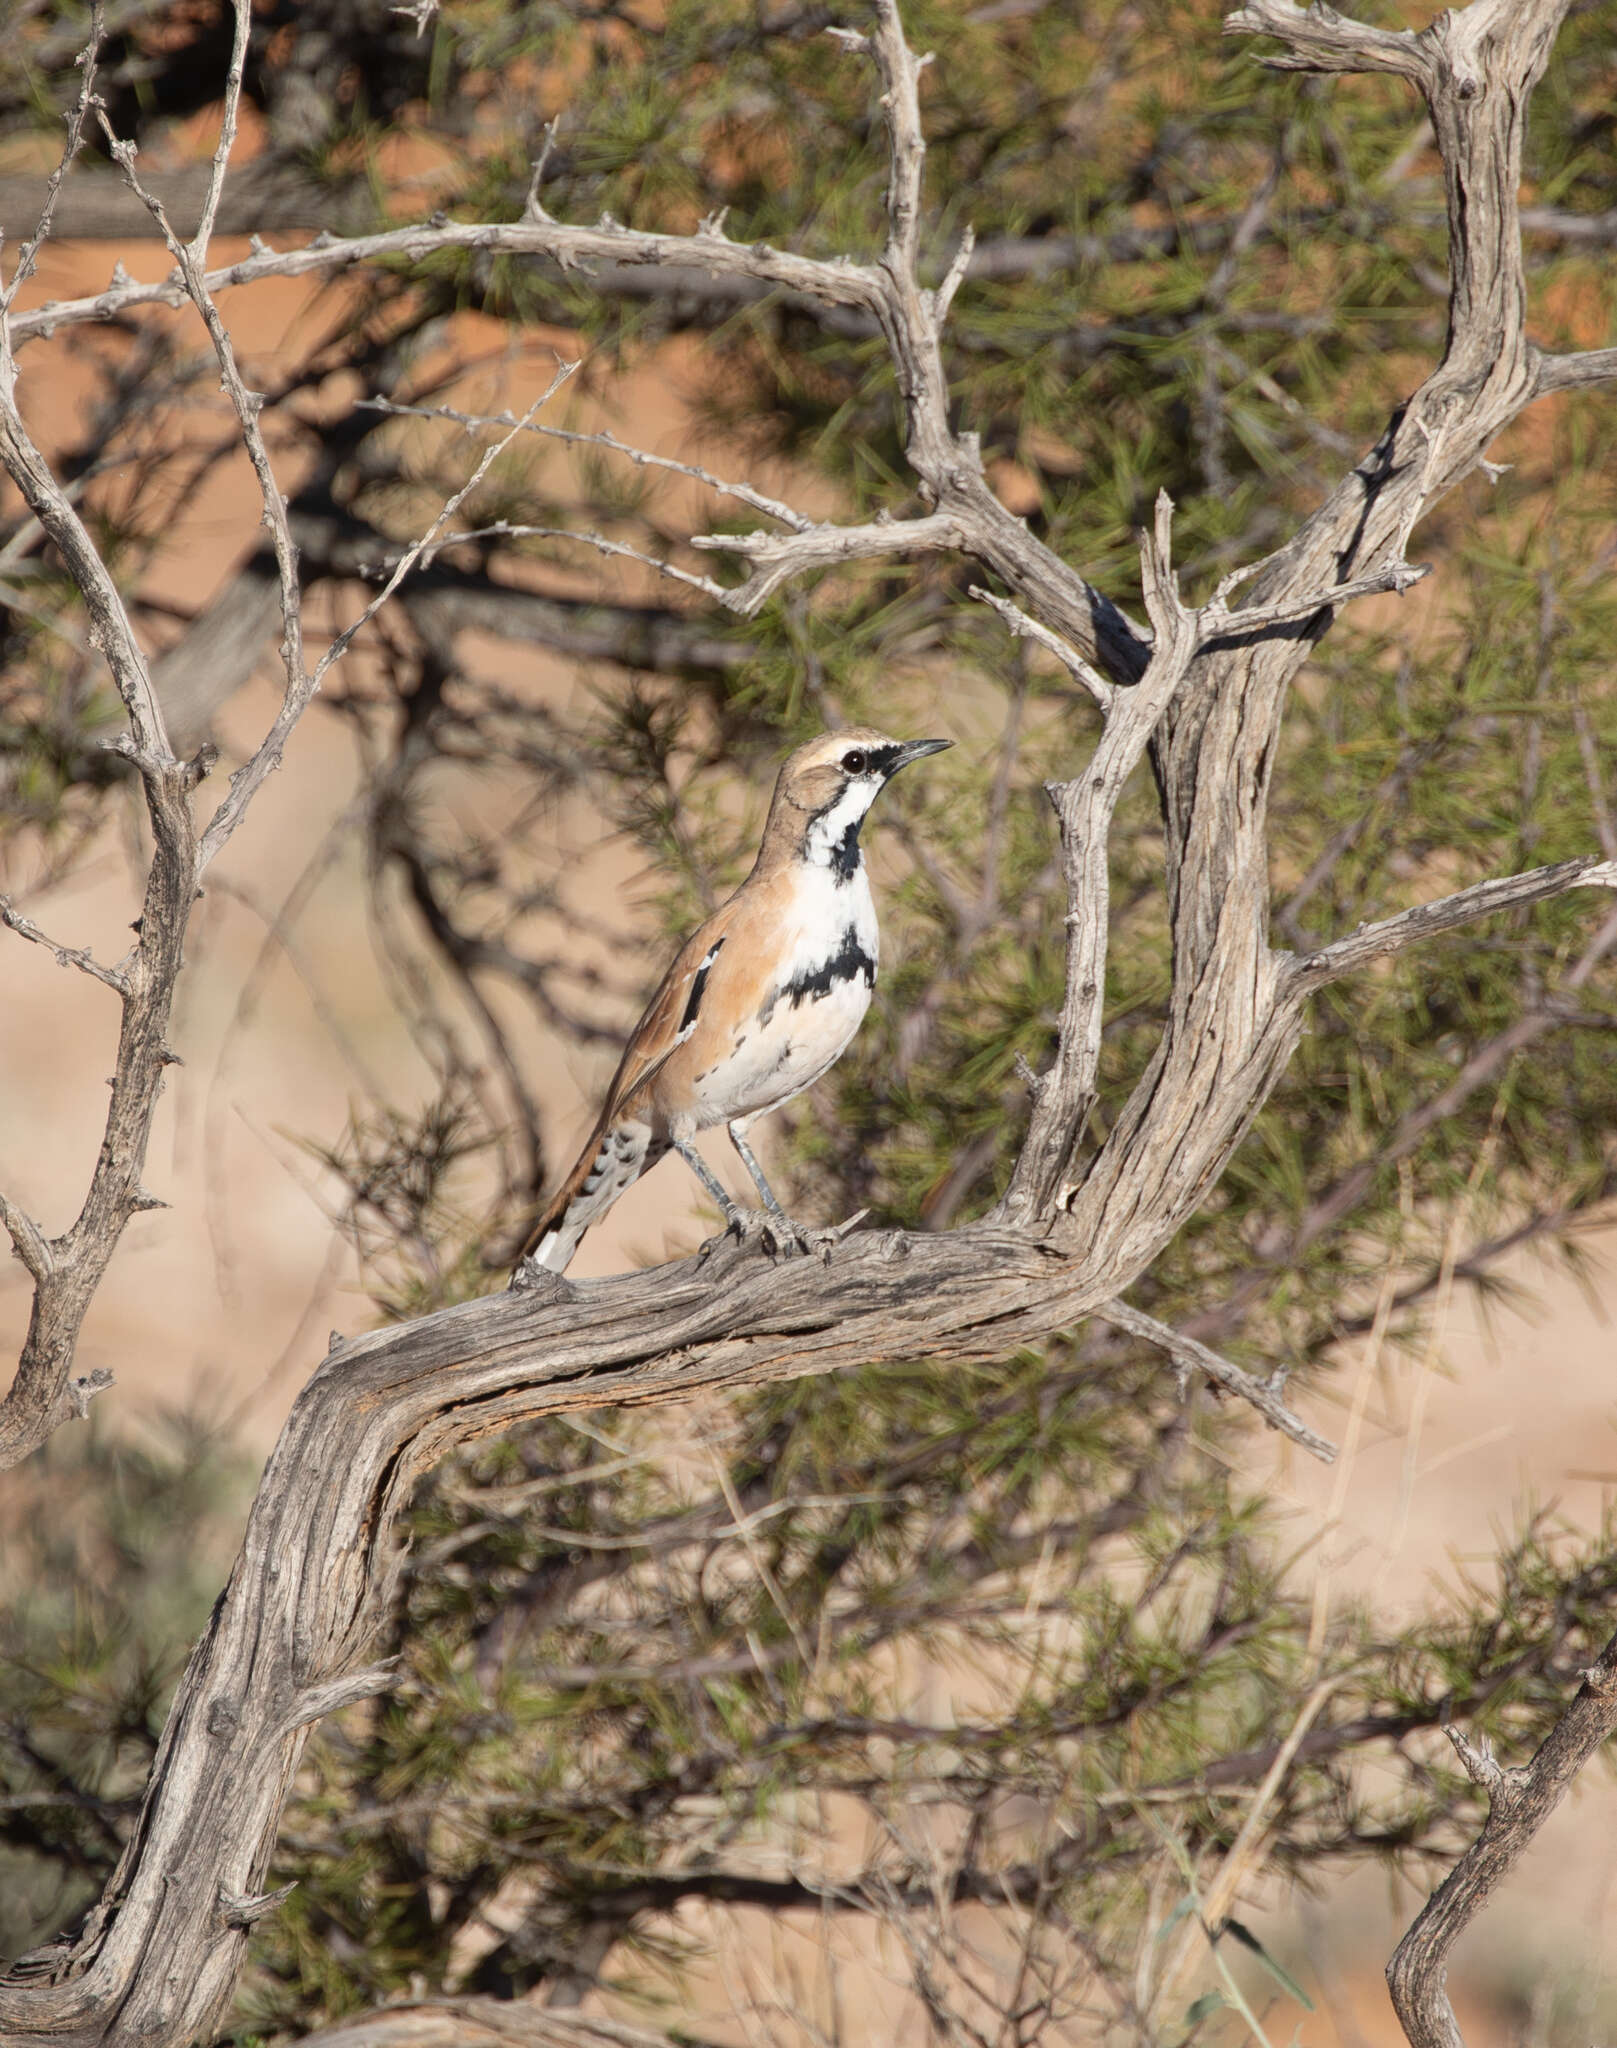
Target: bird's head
827	786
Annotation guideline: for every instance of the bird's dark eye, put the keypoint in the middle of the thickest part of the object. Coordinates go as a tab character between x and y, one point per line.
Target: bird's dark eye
856	761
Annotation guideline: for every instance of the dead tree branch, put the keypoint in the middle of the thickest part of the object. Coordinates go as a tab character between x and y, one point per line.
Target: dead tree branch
1465	906
1266	1396
1521	1801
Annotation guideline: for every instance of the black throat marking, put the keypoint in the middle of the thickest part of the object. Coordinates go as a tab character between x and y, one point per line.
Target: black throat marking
845	854
842	855
810	984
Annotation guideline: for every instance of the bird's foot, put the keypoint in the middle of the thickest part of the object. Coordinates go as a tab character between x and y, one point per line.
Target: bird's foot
779	1235
785	1239
824	1242
743	1228
539	1281
773	1231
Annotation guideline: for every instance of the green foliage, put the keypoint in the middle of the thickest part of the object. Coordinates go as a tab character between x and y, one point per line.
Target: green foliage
110	1556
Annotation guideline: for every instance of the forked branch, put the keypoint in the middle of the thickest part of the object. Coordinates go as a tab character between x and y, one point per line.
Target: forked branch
1521	1801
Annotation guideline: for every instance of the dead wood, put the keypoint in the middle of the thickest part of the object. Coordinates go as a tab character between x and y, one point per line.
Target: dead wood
1522	1800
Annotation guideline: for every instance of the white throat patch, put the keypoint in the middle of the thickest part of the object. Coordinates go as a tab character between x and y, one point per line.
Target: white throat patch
832	840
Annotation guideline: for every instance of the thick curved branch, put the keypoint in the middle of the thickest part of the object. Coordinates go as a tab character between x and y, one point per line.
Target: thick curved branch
1576	372
319	1560
1319	39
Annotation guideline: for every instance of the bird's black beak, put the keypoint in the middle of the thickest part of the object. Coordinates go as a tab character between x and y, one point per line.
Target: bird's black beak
916	750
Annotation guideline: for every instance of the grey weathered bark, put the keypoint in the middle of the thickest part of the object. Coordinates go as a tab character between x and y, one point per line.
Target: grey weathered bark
1522	1801
158	1957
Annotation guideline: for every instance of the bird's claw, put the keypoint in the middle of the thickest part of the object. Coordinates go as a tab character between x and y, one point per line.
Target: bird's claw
539	1281
784	1239
742	1229
779	1236
819	1243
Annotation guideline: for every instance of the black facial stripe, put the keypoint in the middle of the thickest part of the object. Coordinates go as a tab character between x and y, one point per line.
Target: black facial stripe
883	760
843	858
693	1002
850	959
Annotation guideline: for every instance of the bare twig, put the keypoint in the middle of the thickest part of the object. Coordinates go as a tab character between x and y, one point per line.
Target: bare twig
227	138
744	493
1426	920
1022	627
422	12
27	1239
66	956
1217	621
77	115
422	549
533	206
510	529
247	405
1266	1396
778	557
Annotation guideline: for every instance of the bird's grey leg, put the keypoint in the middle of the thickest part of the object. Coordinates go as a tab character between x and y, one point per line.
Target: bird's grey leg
789	1236
737	1132
734	1216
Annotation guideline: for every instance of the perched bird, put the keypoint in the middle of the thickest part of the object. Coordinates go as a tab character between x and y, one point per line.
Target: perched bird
763	998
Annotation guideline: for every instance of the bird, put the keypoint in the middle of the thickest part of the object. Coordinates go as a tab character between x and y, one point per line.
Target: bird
762	999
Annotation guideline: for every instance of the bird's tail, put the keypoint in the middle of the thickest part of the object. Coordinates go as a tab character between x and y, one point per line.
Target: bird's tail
614	1159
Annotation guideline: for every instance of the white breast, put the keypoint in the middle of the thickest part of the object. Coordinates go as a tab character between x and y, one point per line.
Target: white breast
824	909
828	962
